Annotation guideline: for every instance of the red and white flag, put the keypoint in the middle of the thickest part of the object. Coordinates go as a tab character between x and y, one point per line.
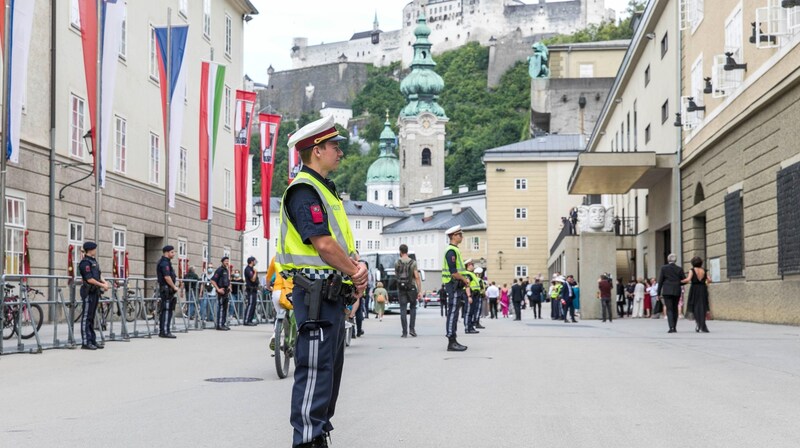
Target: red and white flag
212	85
269	127
245	109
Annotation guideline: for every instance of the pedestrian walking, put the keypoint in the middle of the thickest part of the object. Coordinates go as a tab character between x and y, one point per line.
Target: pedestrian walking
453	271
442	301
409	287
698	294
670	279
251	291
93	284
604	293
493	293
536	297
504	301
381	297
316	248
221	281
639	291
567	299
620	298
517	296
167	290
629	290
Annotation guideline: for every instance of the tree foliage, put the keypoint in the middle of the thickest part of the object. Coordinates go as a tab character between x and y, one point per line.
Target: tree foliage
380	94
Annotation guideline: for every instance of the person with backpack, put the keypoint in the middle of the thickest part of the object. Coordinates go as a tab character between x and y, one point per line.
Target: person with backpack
408	290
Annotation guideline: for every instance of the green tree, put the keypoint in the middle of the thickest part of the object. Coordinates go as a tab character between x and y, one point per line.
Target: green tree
381	93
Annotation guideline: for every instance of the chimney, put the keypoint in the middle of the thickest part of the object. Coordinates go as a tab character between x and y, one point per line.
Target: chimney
447	191
428	215
345	196
481	186
456	208
463	188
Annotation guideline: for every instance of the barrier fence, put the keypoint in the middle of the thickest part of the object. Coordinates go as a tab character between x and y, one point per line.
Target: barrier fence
41	312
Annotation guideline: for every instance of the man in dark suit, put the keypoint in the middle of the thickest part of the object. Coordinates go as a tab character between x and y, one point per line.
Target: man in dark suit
669	288
517	296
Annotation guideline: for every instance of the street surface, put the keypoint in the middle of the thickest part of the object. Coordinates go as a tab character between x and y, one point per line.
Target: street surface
535	383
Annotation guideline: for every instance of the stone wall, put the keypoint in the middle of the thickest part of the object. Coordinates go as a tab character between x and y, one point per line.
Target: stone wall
561	101
295	92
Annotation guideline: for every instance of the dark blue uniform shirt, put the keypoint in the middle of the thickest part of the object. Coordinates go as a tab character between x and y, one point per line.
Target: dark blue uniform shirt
89	268
222	277
303	205
164	270
248	274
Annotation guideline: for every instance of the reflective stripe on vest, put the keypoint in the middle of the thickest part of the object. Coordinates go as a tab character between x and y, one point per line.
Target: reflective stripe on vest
291	253
446	276
474	283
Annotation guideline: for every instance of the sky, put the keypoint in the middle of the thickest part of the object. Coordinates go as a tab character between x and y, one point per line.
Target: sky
268	37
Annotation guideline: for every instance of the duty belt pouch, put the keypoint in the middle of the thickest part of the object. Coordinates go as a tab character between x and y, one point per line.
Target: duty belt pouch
313	300
333	288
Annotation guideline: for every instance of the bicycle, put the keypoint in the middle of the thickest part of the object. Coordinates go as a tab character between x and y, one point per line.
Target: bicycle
19	317
285	340
131	309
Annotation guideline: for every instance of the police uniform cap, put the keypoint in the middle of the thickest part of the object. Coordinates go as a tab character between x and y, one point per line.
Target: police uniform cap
468	261
315	133
167	248
89	245
452	230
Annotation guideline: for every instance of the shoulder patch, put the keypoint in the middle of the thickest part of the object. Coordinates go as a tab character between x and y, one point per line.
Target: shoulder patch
316	214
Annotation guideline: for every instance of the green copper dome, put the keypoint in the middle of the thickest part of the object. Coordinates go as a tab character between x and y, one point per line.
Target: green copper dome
423	85
387	167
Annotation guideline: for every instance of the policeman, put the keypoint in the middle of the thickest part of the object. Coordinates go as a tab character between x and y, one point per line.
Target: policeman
90	294
167	290
251	290
455	281
470	316
481	299
221	281
316	249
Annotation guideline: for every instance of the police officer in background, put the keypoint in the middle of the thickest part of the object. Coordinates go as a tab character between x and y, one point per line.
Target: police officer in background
456	283
167	289
475	292
316	249
90	294
251	291
221	281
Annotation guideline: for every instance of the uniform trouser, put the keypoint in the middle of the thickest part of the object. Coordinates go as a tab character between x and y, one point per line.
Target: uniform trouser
475	309
569	308
536	305
605	304
252	300
87	318
555	308
517	310
671	304
407	297
454	296
360	315
466	309
319	359
222	310
166	309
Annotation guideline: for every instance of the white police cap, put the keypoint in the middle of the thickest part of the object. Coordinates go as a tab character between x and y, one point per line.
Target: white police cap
453	230
315	133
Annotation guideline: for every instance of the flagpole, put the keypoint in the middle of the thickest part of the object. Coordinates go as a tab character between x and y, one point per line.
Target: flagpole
97	121
5	141
210	176
166	131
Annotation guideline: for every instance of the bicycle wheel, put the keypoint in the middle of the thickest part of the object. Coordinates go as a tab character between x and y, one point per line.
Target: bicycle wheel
31	316
131	311
8	323
283	354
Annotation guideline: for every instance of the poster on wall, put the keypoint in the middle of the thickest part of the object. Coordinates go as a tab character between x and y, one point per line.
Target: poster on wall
713	269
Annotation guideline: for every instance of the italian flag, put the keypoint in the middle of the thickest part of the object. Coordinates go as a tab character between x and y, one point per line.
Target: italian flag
212	85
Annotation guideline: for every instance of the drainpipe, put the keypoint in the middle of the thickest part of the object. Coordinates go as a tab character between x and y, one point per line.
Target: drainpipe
677	204
51	213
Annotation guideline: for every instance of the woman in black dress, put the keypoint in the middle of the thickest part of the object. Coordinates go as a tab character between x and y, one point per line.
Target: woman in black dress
698	294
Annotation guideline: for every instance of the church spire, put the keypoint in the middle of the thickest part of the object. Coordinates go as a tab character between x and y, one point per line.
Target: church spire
375	24
423	85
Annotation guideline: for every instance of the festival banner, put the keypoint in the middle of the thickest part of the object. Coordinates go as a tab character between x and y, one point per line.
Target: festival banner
21	30
294	163
245	108
113	15
176	36
269	127
212	86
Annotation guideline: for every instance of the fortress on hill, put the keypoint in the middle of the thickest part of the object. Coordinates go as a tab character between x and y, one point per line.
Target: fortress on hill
453	24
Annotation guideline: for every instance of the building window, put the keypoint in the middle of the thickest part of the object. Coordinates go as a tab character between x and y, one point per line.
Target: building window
664	45
75	241
390	195
733	35
123	42
227	100
369	244
521	271
207	19
120	144
205	255
154	159
622	136
153	61
376	195
15	234
77	126
734	233
635	128
228	36
586	71
788	185
377	245
377	224
183	8
369	225
665	111
358	224
226	201
647	76
628	135
74	14
254	242
426	157
183	256
521	213
521	242
119	240
183	171
358	244
254	221
697	81
520	184
476	243
647	134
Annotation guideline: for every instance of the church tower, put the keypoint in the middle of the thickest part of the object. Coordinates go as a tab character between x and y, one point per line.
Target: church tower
383	176
422	125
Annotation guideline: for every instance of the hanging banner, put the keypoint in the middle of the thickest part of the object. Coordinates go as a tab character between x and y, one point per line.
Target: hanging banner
269	127
294	163
115	264
212	86
26	255
125	269
70	263
245	108
176	36
21	29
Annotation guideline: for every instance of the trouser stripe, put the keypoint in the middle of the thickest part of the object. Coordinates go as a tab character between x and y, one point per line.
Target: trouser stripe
308	398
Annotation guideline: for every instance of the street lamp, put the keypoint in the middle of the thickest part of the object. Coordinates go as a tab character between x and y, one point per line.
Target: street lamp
87	140
500	259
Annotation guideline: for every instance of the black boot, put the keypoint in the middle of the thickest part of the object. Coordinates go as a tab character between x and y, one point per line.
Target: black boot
454	346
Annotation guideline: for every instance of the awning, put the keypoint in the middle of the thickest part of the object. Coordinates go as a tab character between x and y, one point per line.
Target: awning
618	172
